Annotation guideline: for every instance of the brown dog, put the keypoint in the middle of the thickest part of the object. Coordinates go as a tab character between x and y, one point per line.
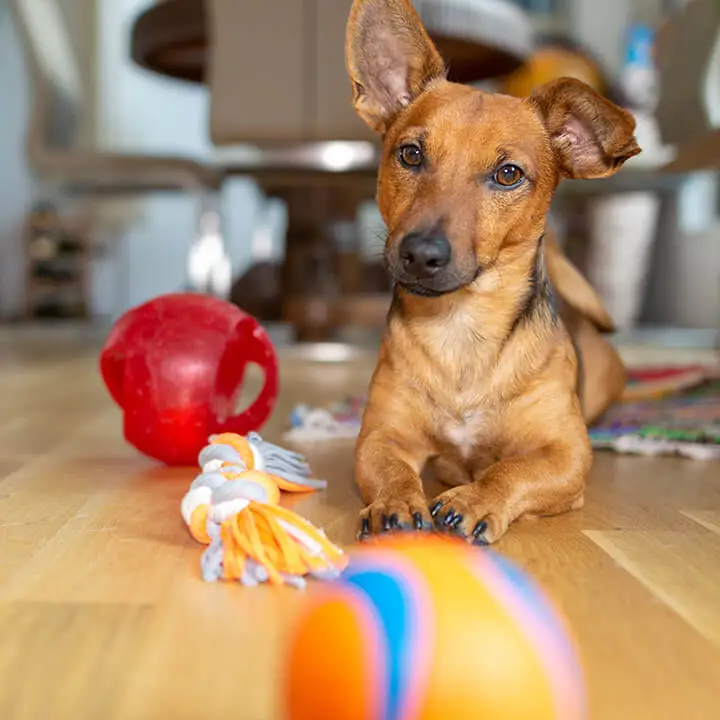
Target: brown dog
477	372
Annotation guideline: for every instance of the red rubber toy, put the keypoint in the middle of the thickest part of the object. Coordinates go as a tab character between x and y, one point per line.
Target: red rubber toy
175	365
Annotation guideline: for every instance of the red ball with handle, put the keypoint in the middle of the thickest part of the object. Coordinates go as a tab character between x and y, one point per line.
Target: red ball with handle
176	364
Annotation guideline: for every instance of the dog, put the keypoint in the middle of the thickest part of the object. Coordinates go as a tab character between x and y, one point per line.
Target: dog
493	360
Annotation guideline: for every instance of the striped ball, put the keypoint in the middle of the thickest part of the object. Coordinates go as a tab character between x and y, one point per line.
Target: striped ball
433	629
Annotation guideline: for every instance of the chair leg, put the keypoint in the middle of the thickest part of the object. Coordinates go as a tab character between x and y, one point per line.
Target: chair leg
209	268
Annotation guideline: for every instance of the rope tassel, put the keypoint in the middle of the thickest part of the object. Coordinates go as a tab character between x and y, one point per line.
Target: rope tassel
252	452
233	508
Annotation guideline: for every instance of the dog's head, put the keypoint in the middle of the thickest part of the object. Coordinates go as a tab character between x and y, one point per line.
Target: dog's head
466	175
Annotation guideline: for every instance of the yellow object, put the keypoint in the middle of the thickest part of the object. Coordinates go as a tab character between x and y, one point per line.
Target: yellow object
550	63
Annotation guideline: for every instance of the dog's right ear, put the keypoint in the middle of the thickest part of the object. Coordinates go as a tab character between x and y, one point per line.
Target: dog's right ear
390	58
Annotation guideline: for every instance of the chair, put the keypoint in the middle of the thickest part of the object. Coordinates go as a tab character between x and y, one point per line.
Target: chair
62	163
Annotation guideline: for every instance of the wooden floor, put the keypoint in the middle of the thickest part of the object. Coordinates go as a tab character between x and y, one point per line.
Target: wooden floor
103	615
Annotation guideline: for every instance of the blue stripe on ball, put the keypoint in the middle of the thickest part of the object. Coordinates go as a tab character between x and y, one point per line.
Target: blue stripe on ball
391	599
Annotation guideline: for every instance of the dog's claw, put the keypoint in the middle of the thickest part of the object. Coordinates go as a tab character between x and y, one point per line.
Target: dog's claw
394	515
364	529
449	518
478	534
456	522
435	509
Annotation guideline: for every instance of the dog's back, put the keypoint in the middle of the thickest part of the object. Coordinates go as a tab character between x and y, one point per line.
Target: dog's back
601	373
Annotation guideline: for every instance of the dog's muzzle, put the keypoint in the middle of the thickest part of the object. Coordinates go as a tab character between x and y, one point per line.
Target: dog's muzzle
424	255
424	265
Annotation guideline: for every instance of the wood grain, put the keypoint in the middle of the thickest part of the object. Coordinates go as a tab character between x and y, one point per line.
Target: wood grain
679	568
103	613
709	519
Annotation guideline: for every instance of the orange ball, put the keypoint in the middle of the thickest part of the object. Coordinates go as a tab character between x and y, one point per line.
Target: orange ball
431	629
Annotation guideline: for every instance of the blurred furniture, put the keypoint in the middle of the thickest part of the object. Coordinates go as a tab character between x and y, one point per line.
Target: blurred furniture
481	38
688	58
281	112
58	254
63	164
685	287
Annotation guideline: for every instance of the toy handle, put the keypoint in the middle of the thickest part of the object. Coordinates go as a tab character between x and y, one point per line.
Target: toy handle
112	358
253	345
112	369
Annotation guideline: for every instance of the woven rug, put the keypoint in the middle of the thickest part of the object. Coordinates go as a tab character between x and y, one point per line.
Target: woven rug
667	411
682	419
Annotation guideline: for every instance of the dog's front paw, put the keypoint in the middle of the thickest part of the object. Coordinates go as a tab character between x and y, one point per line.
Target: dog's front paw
390	513
479	517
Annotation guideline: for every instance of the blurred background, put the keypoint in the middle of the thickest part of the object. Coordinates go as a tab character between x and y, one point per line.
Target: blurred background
148	147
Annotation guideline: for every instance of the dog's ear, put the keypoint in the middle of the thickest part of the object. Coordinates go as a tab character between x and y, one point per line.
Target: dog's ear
591	136
390	59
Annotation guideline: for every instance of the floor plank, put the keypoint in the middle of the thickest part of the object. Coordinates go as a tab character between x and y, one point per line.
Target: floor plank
709	519
680	569
68	660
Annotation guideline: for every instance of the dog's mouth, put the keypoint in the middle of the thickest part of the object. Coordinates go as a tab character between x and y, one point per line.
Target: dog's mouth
429	289
422	291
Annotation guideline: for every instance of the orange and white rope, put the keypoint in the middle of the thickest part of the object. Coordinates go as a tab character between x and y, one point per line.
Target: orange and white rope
233	507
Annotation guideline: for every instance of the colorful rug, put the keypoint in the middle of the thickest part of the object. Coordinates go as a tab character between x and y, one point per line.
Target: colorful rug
682	419
667	411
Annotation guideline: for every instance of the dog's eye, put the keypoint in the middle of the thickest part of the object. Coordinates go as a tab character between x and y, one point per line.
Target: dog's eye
508	176
411	156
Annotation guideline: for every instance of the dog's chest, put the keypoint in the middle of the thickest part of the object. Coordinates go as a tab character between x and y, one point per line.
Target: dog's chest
466	432
465	415
456	387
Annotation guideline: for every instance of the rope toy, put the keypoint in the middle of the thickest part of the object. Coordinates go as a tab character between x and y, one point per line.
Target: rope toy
233	507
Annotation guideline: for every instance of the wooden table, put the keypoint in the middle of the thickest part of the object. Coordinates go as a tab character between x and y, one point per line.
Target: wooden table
171	38
103	614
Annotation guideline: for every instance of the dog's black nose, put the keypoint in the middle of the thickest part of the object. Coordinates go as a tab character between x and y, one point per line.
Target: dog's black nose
424	254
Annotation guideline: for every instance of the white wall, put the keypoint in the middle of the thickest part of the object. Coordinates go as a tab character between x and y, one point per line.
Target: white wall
138	110
16	183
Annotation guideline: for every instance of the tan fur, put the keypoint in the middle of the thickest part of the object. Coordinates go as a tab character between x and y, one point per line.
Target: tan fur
480	380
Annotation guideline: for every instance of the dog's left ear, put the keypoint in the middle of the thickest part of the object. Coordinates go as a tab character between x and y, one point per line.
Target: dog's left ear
591	136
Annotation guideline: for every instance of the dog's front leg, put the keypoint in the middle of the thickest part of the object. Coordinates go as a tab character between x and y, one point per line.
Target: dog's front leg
387	470
547	481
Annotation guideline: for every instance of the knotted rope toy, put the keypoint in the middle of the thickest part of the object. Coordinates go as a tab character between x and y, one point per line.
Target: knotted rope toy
233	507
